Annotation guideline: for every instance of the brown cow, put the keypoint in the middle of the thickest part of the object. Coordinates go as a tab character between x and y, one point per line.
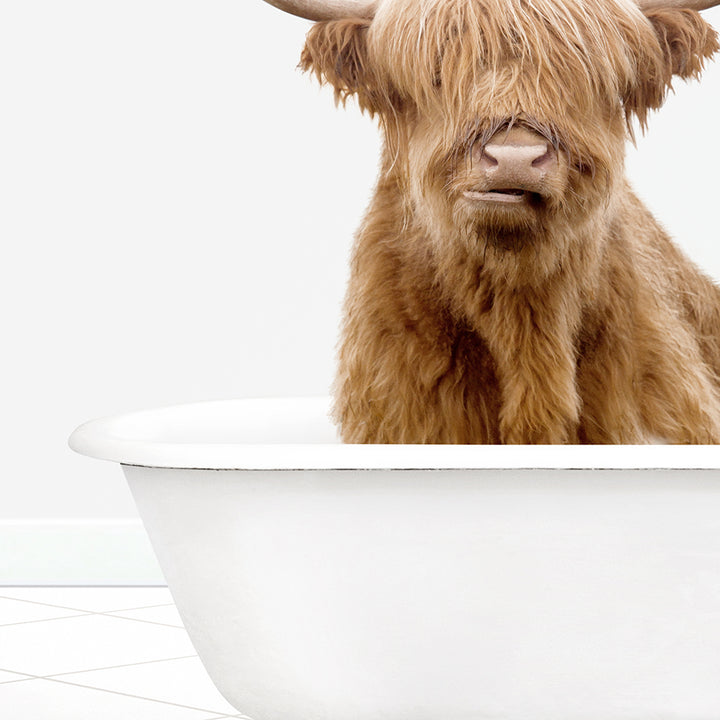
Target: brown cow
507	284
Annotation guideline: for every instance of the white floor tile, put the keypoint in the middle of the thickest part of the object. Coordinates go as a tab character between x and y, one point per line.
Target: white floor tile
163	614
183	681
41	634
86	643
52	700
20	611
92	599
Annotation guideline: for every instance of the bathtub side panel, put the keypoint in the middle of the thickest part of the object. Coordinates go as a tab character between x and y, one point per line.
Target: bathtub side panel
391	595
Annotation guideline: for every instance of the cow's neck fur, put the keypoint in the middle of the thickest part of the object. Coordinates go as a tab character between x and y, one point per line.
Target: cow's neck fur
527	306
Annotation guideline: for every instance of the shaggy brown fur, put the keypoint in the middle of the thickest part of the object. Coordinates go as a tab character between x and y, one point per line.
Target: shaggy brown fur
575	320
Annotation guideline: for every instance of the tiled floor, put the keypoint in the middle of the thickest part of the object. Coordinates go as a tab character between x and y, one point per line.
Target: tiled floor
89	653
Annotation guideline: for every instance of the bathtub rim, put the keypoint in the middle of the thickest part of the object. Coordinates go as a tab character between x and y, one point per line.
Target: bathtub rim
108	438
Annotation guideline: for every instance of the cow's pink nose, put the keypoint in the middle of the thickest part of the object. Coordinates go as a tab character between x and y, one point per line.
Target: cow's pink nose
515	158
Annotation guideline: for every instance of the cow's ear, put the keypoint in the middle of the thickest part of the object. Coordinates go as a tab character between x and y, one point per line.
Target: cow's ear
337	53
684	41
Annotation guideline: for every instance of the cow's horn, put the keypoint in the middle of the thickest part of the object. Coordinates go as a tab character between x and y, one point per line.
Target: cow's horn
689	4
327	9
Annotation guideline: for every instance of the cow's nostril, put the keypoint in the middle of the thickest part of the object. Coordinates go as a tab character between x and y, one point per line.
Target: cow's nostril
487	160
544	159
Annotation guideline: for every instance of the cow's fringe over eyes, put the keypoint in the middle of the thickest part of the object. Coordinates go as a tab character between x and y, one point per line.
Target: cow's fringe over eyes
452	56
445	54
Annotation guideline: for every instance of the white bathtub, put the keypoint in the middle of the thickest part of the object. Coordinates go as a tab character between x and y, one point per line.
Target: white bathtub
321	581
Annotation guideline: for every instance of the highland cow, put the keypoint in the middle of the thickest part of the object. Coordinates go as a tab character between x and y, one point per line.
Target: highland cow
507	285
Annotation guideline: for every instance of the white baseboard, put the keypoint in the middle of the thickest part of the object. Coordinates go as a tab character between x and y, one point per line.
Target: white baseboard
76	552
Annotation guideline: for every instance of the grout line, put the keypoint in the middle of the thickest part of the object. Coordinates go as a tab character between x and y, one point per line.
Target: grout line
149	622
142	607
23	679
51	676
82	613
30	676
117	692
37	602
62	617
65	607
112	667
25	676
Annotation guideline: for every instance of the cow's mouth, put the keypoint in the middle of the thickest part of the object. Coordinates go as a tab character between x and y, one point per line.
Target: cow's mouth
502	195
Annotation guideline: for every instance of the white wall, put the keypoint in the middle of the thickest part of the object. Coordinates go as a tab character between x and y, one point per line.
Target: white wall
177	202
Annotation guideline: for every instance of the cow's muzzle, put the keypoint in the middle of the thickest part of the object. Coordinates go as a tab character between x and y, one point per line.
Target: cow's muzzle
515	165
